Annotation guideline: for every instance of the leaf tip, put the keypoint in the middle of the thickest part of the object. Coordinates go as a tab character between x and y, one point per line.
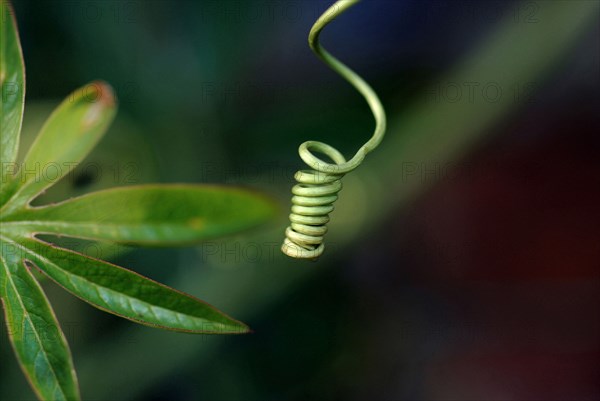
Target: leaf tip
105	95
103	102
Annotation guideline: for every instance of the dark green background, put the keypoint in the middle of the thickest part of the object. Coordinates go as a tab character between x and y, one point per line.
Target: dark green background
463	259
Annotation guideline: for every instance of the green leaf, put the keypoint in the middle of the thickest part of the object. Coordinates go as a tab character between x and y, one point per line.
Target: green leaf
34	332
124	293
148	214
12	85
68	135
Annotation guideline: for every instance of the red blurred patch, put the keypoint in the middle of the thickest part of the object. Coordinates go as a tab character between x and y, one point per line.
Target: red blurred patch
525	209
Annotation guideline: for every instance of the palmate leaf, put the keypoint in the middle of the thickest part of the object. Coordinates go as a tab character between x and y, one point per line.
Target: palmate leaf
12	90
141	215
123	292
147	214
65	140
34	332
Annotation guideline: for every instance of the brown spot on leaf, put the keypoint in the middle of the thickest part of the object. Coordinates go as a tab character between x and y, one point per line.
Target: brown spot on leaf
196	223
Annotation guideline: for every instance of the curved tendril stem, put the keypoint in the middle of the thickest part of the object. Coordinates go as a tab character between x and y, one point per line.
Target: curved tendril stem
355	80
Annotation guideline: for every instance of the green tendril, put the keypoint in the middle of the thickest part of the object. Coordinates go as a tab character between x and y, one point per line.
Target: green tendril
317	189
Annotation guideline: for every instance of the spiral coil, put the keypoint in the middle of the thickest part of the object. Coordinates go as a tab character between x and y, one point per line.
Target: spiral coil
317	189
313	200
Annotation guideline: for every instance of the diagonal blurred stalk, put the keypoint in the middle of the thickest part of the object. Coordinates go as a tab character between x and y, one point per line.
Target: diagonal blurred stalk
427	131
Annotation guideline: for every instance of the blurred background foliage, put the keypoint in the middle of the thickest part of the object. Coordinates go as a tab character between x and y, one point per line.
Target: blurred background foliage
463	256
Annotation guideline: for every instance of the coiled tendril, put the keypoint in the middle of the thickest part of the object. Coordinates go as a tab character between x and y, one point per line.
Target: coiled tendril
317	189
